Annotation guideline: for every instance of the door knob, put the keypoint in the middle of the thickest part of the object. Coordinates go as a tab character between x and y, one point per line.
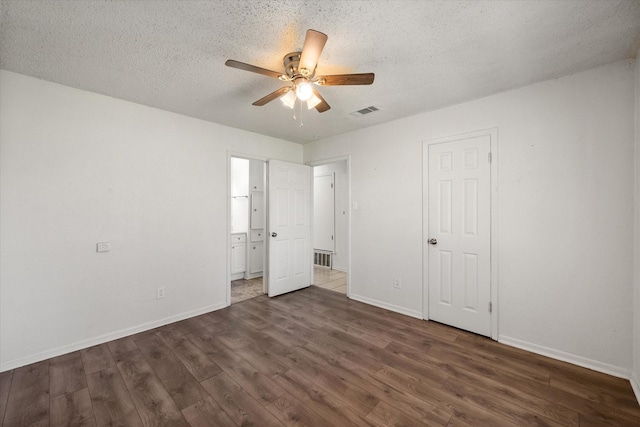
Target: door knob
274	234
433	241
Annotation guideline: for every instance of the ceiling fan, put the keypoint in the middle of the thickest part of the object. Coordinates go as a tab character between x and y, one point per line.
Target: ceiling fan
299	72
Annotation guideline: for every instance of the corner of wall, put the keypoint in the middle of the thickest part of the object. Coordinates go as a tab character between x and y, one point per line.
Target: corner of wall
635	377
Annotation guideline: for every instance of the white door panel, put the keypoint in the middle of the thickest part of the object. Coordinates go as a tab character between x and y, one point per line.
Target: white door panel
459	276
323	213
289	233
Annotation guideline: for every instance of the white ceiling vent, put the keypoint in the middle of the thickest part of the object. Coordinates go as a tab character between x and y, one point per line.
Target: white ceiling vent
365	111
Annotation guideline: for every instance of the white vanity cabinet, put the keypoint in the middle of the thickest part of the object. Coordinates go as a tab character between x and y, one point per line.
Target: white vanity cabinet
255	252
238	255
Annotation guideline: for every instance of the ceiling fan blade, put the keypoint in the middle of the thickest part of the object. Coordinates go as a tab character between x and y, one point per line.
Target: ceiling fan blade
311	49
322	106
252	68
345	79
273	95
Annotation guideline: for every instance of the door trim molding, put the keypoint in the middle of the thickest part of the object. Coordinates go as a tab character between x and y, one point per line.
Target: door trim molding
493	136
240	155
326	161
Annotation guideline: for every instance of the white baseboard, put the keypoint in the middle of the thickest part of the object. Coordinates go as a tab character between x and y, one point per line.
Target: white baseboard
391	307
33	358
344	270
635	384
595	365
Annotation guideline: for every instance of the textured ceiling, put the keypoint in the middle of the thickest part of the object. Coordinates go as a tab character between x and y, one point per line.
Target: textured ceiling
425	54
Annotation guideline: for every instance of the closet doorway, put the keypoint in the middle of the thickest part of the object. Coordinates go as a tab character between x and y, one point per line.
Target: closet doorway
331	221
248	220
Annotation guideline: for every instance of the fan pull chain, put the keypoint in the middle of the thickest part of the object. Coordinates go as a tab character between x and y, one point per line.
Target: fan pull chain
301	124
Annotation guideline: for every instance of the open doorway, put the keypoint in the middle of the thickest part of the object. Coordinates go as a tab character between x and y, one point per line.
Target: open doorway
247	210
331	225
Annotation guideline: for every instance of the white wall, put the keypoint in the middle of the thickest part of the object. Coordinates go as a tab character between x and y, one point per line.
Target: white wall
79	168
239	181
635	379
566	186
341	185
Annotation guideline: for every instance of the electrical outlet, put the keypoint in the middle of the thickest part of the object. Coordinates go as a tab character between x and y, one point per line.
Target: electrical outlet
397	283
160	293
103	247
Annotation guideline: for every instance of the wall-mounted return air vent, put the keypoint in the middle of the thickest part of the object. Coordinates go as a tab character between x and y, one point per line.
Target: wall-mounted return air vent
365	111
322	259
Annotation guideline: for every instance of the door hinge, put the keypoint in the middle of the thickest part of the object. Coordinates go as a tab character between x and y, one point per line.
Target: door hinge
331	237
489	156
332	185
490	307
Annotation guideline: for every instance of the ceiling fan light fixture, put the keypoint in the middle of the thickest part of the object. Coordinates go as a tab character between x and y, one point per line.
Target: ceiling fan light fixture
289	99
304	91
299	72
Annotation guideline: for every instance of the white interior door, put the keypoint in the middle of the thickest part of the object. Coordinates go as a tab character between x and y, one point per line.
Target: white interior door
323	213
289	233
460	233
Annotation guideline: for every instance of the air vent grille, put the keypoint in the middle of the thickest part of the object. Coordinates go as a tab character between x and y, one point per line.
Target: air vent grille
366	110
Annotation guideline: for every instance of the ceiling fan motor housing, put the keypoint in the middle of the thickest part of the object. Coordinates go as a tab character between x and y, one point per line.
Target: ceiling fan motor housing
291	61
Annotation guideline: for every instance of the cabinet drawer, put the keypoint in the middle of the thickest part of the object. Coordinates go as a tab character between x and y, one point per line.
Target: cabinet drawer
238	238
257	235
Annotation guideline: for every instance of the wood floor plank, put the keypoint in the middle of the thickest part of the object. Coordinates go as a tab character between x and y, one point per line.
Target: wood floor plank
357	398
120	347
96	358
5	386
624	402
254	382
152	400
264	360
327	321
72	409
111	401
320	400
267	347
194	359
487	365
345	345
463	413
66	374
232	340
386	415
415	406
556	368
176	378
487	400
387	332
544	407
239	405
28	401
207	413
293	413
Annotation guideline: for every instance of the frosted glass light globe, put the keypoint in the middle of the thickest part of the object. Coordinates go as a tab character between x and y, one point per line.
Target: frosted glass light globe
304	91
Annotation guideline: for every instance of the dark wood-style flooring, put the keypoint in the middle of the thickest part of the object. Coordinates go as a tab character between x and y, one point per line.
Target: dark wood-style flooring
312	357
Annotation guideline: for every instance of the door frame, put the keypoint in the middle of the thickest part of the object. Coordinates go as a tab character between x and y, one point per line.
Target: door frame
493	136
327	161
246	156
